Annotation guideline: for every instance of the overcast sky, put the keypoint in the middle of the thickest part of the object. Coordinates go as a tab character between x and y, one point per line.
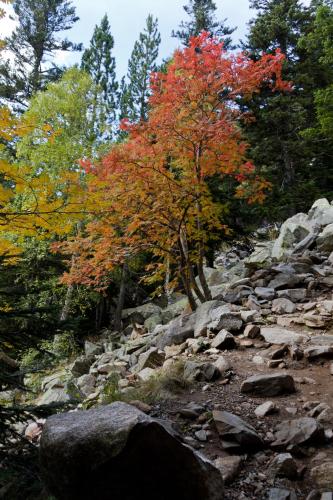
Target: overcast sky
127	19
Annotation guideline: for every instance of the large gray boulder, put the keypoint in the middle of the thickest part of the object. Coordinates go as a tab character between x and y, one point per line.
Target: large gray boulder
177	331
116	452
325	239
205	314
272	384
300	432
292	231
280	336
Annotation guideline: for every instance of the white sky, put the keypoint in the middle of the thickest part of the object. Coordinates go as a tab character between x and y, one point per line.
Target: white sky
127	19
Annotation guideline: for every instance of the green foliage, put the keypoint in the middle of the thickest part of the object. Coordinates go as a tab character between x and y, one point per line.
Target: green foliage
134	95
97	60
66	110
34	41
298	167
202	18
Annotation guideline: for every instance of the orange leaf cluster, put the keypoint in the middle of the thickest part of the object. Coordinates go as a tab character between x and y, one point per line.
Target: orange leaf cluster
150	193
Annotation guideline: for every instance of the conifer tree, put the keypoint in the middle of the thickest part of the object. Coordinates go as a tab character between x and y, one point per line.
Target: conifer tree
140	66
279	147
33	44
98	61
202	18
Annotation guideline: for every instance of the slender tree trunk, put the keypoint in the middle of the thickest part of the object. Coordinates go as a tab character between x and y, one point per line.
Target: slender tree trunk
67	304
168	290
187	263
121	298
201	274
68	299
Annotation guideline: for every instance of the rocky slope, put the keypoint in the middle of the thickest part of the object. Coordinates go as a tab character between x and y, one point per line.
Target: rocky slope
256	370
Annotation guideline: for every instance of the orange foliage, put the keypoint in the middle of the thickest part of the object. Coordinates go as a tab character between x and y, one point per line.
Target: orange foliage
150	193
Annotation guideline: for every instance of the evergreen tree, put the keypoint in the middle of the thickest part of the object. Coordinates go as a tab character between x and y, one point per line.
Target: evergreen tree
202	18
32	44
278	145
140	66
98	61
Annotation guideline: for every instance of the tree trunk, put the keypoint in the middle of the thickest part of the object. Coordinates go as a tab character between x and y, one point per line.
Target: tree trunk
121	299
67	304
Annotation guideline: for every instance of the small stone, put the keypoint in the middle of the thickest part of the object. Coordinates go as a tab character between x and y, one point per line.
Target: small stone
252	331
322	475
301	431
283	465
235	432
223	364
140	405
229	467
223	340
281	494
266	409
201	435
265	293
146	374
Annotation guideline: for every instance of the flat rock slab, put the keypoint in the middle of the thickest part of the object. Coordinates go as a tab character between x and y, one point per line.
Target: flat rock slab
276	335
116	452
233	429
272	384
300	431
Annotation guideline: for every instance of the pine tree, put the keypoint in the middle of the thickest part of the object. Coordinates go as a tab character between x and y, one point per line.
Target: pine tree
202	18
140	66
279	147
98	61
32	45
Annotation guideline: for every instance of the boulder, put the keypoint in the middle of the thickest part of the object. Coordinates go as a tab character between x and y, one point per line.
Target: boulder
223	365
283	465
204	315
179	330
325	239
223	340
264	293
283	306
261	255
292	231
281	336
229	467
321	212
202	372
322	475
272	384
145	311
265	409
293	294
317	352
252	331
55	395
284	280
82	365
300	432
92	349
235	431
117	452
224	319
152	358
146	374
281	494
86	384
